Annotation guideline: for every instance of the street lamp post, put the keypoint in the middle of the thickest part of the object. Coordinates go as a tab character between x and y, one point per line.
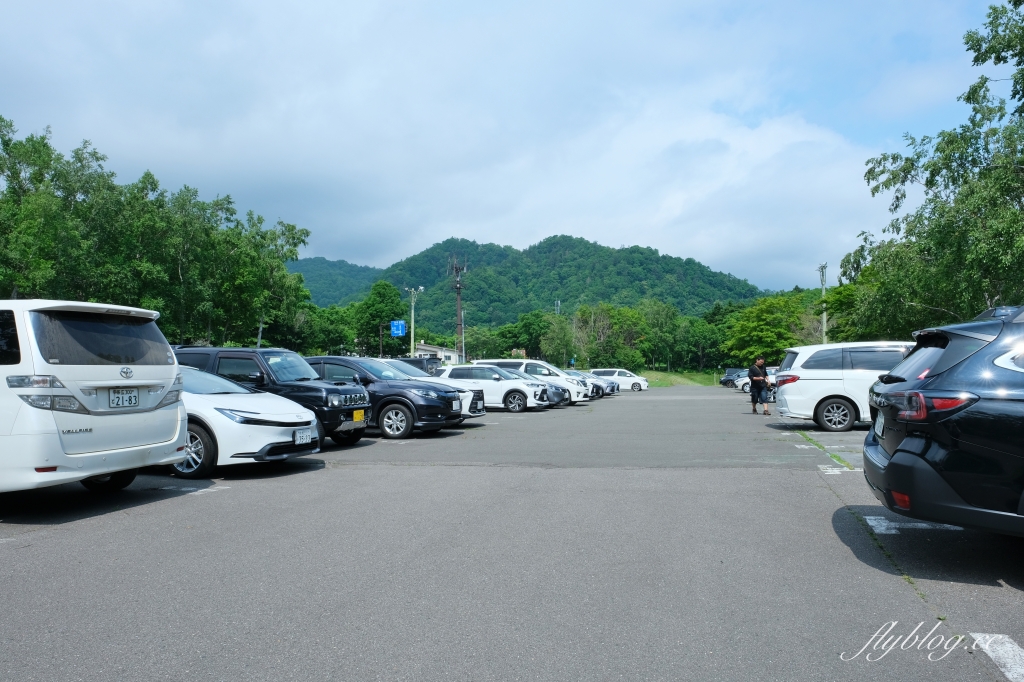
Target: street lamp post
824	314
413	291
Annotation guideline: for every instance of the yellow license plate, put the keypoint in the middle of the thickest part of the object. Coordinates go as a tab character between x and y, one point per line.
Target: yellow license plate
357	416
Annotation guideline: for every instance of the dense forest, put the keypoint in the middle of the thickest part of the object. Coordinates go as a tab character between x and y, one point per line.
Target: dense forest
503	283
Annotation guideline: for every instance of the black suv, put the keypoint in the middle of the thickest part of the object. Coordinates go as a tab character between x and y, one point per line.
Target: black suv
342	411
400	404
947	443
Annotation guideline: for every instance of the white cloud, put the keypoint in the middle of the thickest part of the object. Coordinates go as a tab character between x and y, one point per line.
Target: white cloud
734	133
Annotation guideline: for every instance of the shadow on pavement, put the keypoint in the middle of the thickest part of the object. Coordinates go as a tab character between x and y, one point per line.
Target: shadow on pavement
72	502
961	556
267	470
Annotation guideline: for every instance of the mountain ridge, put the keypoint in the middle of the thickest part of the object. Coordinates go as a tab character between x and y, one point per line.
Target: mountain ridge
503	282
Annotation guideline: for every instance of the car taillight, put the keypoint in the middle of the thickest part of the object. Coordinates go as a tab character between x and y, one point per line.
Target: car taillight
914	406
783	379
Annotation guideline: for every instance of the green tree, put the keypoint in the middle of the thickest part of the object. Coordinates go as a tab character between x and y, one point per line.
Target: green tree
557	342
765	328
373	318
699	343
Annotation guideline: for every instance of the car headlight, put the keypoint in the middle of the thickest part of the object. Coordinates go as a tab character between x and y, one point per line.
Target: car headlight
574	381
178	380
333	400
425	393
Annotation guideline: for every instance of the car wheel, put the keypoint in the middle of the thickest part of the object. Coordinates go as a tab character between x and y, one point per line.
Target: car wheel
110	483
730	384
746	387
771	395
636	386
348	437
835	414
395	422
515	401
200	454
321	434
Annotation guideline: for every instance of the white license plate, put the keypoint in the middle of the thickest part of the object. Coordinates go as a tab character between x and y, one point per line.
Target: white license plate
124	397
302	436
456	404
879	424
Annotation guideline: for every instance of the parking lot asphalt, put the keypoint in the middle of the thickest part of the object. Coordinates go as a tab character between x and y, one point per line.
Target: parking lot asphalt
662	535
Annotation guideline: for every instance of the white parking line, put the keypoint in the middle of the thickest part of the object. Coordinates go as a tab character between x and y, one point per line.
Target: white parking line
883	526
196	491
827	469
1005	653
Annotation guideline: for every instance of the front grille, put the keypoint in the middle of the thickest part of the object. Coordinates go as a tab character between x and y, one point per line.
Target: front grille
288	448
353	399
478	396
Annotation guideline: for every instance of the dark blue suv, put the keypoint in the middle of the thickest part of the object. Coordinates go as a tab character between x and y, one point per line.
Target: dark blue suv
947	441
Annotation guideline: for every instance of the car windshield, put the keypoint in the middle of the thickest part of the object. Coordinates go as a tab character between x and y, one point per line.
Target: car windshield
380	370
289	366
408	369
204	383
516	374
504	373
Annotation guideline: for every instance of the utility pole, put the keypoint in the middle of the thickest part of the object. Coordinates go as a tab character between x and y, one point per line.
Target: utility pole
412	318
380	329
824	314
460	332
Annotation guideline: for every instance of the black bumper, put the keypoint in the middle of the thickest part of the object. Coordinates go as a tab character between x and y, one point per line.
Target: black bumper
931	498
332	418
277	452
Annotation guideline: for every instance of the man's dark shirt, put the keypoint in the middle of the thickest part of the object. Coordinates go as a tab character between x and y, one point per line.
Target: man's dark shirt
756	371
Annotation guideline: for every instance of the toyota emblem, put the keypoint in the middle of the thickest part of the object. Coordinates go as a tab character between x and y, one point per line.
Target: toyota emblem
126	372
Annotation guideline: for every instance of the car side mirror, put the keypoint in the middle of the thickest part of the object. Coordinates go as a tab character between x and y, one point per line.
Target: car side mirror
365	381
257	378
496	377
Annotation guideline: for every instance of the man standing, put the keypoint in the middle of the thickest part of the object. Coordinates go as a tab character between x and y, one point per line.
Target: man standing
758	385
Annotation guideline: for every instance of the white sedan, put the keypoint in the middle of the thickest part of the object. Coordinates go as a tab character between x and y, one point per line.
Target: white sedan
624	377
231	424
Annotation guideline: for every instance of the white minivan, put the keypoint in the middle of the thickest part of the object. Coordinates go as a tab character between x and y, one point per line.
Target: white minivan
829	383
91	393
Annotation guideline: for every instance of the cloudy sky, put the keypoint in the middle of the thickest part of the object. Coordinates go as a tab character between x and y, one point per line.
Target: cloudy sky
731	132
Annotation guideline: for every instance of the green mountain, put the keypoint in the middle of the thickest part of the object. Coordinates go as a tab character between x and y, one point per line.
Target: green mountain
503	282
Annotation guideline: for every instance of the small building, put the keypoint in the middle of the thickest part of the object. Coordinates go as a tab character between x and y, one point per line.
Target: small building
445	355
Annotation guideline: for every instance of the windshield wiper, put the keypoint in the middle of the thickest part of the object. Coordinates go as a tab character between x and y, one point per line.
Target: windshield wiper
891	379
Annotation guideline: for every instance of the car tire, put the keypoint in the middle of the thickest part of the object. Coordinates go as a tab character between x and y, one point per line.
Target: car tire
321	434
348	437
730	384
395	422
200	454
746	387
515	401
771	395
835	414
636	386
110	483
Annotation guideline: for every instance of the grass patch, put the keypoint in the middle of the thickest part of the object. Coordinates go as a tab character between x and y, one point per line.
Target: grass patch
665	379
835	458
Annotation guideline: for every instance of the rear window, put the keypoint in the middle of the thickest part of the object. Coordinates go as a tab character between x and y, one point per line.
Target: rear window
935	353
197	360
508	365
831	358
787	362
876	360
10	350
75	338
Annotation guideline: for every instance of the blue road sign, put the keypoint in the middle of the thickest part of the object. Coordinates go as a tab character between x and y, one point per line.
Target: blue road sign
398	328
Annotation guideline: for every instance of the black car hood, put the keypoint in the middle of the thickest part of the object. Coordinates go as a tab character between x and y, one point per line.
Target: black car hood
409	385
317	386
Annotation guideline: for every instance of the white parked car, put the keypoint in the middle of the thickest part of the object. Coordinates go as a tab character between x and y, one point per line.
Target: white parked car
743	382
231	424
472	399
624	377
501	390
92	393
578	390
829	382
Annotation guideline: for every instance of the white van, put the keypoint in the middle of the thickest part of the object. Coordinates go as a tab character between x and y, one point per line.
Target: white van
829	383
91	392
